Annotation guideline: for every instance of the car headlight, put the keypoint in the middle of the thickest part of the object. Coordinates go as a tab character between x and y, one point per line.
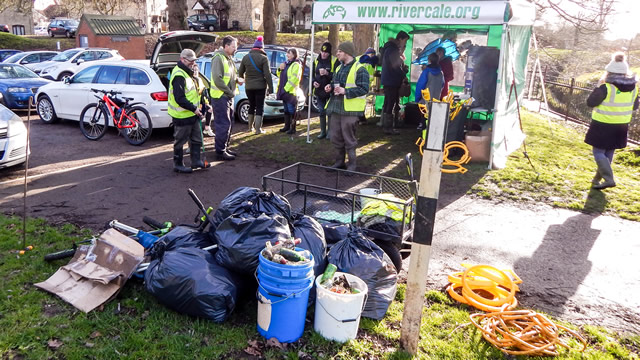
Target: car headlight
17	90
271	97
15	127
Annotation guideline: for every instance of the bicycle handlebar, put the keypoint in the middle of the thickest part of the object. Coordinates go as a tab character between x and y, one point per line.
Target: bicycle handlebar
112	92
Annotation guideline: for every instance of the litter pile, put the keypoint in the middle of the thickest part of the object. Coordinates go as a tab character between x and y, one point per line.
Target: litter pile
284	252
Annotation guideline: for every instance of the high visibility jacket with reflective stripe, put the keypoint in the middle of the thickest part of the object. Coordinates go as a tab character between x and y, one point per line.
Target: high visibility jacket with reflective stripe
357	103
190	92
617	106
369	67
293	77
226	77
386	205
333	63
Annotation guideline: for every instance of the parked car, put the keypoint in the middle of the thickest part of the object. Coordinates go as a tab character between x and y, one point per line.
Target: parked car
4	28
66	63
145	81
17	85
272	107
13	139
6	53
195	26
40	31
209	21
277	55
30	58
66	27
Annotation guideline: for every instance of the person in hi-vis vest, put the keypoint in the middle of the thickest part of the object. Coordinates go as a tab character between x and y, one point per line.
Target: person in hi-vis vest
613	104
348	90
223	90
184	108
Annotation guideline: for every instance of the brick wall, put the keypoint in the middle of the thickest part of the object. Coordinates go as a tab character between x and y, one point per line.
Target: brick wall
133	48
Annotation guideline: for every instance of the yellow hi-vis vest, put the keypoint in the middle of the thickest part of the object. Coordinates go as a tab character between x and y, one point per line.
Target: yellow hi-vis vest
293	77
333	63
190	91
369	67
226	77
617	107
357	103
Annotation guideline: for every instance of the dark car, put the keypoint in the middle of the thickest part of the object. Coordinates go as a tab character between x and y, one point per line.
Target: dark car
66	27
6	53
195	26
209	21
4	28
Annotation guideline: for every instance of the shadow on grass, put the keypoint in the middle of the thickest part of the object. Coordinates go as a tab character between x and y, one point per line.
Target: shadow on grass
596	202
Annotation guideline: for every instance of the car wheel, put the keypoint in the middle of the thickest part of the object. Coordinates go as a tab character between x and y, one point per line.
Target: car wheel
45	110
67	34
242	111
314	104
211	28
50	33
192	28
64	74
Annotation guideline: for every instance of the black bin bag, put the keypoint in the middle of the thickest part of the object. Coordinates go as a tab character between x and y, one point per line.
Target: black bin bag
359	256
241	237
189	281
181	237
335	231
310	232
246	199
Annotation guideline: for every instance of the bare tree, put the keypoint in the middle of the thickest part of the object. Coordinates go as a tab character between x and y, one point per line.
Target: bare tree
269	22
590	17
334	38
177	14
22	6
363	37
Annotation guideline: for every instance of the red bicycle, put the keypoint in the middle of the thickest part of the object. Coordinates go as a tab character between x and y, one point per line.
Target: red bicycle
133	121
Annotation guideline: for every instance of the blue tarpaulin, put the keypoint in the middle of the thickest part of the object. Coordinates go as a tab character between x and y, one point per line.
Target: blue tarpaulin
449	47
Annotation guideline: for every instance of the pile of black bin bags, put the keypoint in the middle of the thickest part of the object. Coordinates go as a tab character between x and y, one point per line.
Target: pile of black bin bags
209	284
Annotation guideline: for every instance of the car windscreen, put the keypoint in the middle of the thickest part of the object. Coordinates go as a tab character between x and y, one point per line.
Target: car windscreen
16	72
65	56
71	23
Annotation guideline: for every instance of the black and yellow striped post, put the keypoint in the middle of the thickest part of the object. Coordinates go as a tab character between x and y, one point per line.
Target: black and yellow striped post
424	222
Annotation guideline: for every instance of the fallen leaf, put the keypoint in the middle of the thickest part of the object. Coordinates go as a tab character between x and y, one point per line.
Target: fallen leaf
205	341
253	349
273	342
95	334
54	344
89	345
145	315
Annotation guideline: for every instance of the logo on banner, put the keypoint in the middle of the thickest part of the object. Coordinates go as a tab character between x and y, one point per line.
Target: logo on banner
333	10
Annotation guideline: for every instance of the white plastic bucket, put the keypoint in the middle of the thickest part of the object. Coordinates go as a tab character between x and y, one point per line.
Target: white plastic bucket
337	316
369	192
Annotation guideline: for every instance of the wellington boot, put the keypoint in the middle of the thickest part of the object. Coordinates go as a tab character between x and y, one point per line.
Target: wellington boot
351	153
604	169
287	123
323	127
250	117
178	165
387	125
258	125
339	163
596	178
196	159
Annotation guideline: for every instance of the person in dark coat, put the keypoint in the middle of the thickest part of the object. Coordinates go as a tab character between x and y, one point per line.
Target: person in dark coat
613	103
256	72
393	71
323	69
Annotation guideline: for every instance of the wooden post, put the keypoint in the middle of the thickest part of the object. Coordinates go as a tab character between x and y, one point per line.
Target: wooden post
566	113
423	230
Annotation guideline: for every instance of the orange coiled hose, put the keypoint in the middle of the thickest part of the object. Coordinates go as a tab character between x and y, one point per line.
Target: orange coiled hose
484	287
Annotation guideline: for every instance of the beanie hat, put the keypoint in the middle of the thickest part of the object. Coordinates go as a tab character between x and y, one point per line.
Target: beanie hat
258	43
326	47
348	48
369	51
618	65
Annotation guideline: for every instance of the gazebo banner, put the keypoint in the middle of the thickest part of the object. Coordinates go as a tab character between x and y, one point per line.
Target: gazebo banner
409	12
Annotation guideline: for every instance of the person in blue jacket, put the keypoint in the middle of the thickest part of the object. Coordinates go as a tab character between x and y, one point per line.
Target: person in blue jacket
431	78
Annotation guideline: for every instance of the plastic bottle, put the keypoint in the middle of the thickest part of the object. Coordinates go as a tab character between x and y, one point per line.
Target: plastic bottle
328	273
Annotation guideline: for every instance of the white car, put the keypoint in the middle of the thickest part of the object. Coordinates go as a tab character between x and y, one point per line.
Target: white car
144	81
40	30
30	59
67	62
13	139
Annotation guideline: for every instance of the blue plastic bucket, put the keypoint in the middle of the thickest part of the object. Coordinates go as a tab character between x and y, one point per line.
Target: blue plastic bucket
286	271
283	296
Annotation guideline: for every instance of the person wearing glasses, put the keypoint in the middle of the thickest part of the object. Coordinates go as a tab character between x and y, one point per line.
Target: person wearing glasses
184	109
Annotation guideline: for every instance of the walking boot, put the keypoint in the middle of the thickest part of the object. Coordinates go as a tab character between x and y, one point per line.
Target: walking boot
258	125
387	125
351	153
339	164
178	165
604	168
196	159
323	127
292	130
225	156
596	178
250	117
287	123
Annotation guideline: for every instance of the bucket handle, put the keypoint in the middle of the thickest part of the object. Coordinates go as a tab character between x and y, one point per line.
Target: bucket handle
366	296
276	295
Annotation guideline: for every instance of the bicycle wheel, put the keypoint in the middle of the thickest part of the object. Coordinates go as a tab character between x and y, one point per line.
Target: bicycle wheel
60	255
139	119
93	121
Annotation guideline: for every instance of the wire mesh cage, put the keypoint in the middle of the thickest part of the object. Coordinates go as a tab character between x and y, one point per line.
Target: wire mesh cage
328	194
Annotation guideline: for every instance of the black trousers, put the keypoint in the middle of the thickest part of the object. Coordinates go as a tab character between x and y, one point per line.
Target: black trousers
184	133
256	101
391	99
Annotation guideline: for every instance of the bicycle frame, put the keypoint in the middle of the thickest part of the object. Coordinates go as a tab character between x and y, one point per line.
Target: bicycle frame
110	104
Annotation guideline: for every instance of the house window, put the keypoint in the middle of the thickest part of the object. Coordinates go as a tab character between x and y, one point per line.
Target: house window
17	30
257	16
84	41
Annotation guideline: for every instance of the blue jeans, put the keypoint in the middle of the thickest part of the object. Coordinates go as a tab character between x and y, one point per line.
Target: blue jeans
289	108
602	153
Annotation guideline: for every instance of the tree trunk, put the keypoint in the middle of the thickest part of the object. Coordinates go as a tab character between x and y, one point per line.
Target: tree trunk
177	14
269	23
363	37
334	39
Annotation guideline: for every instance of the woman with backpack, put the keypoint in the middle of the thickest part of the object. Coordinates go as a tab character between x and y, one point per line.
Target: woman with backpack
256	72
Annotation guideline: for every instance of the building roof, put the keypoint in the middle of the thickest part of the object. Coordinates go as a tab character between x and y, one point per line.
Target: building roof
112	25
